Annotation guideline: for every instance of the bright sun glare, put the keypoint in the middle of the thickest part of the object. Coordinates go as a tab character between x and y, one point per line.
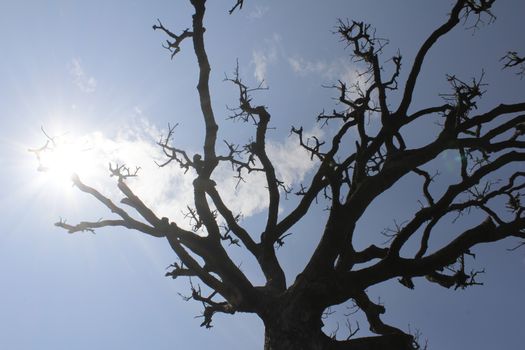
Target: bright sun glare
62	156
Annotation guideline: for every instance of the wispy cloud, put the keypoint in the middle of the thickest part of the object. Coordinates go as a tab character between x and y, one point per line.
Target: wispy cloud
264	56
82	80
271	51
339	69
258	12
304	67
292	163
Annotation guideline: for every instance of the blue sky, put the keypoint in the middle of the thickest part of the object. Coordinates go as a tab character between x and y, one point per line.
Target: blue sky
95	72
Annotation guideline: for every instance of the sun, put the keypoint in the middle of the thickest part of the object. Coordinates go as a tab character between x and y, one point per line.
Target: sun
63	156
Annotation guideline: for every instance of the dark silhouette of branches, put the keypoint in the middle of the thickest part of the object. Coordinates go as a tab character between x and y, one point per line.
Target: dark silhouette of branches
348	177
512	59
238	4
173	46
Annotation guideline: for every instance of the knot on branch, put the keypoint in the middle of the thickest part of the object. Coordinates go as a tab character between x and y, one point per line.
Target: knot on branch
203	184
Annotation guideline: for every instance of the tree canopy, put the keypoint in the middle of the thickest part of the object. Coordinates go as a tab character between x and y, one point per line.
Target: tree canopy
369	146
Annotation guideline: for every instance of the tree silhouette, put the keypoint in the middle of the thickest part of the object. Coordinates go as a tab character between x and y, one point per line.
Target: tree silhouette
349	176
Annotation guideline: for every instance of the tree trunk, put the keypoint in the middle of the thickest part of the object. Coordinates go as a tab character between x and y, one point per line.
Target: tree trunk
382	342
294	338
295	323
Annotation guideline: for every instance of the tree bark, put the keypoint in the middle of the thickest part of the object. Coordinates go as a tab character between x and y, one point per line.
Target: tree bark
276	339
382	342
300	329
293	337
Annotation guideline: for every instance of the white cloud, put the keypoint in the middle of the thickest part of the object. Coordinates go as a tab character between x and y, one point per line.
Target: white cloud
168	191
83	81
292	163
260	61
262	57
304	67
165	190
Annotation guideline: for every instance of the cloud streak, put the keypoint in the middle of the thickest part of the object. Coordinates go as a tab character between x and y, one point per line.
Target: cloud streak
258	12
82	80
263	57
339	69
272	52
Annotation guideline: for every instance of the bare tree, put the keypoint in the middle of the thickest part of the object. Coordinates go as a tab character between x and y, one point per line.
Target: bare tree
349	177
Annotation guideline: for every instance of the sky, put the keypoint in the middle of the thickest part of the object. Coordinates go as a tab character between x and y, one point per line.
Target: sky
95	76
